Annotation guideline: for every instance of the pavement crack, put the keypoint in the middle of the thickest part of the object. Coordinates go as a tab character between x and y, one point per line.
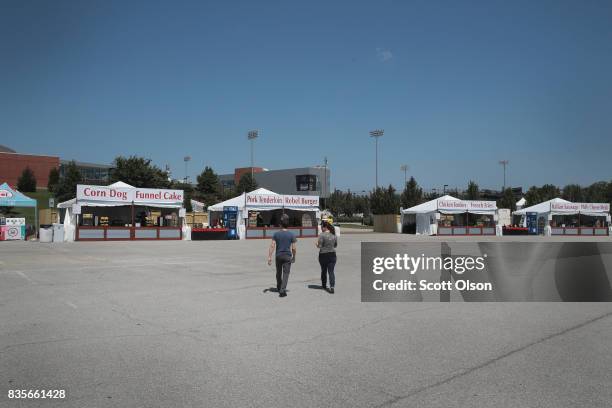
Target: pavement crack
491	361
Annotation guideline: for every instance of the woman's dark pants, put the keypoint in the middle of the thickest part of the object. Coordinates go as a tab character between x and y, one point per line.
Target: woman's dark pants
327	261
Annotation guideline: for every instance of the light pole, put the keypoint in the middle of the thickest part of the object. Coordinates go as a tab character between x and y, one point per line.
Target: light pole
404	168
504	163
325	180
252	135
376	134
186	160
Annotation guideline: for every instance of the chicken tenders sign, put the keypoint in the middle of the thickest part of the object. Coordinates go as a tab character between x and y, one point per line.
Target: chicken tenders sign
128	195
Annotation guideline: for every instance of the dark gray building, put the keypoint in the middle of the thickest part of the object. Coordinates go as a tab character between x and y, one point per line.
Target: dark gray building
92	173
303	181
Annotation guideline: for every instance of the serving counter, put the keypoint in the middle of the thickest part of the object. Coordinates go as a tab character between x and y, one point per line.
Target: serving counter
200	234
103	233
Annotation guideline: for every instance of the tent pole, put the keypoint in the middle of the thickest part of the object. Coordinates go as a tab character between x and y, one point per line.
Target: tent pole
36	219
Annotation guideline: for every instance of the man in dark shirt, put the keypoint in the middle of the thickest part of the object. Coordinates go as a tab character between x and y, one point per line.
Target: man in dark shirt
283	242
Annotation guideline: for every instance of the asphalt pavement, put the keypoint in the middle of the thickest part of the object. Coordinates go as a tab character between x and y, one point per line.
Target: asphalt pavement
194	324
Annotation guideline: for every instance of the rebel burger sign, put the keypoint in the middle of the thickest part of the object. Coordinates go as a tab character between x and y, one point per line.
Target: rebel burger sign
279	200
129	195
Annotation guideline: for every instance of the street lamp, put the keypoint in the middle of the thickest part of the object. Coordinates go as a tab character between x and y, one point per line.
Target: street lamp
376	134
186	160
252	135
325	187
404	168
504	163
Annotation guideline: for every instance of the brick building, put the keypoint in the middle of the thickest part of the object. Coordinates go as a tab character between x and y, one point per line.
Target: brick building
12	165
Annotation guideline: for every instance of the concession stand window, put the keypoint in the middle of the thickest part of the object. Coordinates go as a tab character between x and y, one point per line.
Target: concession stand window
579	219
260	213
123	212
461	217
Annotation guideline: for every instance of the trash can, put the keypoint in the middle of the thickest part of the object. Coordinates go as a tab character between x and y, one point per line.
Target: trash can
58	232
46	233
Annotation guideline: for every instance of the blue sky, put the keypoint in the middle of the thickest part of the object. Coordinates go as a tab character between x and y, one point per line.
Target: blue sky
456	86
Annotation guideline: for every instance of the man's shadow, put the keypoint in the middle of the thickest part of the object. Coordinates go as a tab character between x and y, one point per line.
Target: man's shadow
273	290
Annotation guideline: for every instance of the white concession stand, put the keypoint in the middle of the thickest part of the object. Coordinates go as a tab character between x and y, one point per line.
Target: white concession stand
448	215
562	217
259	214
123	212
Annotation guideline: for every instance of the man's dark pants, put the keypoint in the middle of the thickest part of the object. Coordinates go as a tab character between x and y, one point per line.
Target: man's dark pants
283	267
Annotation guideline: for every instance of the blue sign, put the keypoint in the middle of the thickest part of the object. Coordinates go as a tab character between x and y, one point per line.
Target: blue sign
230	221
532	223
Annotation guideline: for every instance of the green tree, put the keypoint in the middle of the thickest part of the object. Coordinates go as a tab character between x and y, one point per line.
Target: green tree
348	204
573	192
209	188
507	200
334	202
27	181
362	205
66	187
384	201
536	195
246	184
532	196
412	194
188	194
472	192
549	191
597	192
54	178
139	172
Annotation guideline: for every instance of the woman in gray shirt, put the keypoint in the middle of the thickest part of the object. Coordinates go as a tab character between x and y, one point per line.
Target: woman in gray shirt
327	244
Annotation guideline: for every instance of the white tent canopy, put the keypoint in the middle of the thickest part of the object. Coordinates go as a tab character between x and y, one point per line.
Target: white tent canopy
262	199
241	202
426	213
542	207
138	197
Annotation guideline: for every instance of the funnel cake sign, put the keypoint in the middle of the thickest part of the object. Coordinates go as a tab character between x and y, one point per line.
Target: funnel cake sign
128	195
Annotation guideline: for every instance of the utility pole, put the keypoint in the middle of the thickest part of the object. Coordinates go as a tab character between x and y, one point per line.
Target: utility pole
377	134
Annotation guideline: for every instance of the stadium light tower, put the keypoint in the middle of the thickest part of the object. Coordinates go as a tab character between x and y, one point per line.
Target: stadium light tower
186	160
404	168
504	163
377	134
252	135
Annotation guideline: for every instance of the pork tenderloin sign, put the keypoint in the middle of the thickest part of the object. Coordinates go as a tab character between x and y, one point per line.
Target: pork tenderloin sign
278	200
129	195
